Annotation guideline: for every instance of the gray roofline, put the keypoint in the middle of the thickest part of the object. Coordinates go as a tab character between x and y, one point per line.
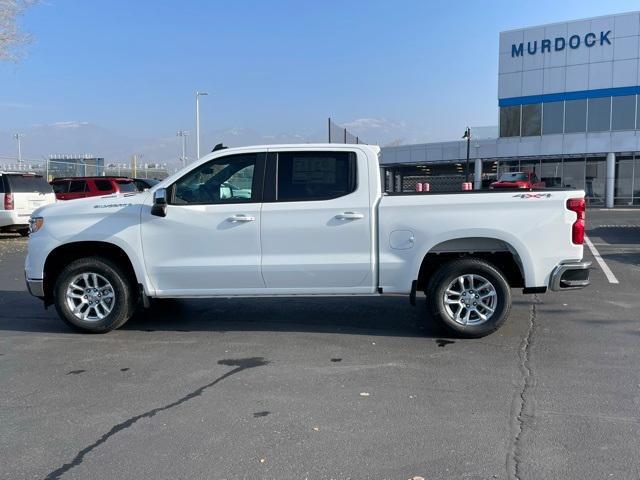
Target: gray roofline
567	21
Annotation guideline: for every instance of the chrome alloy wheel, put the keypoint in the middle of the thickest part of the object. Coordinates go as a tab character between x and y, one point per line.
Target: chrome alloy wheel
90	297
470	299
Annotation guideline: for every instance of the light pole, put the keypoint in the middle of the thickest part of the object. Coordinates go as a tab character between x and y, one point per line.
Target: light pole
183	134
198	95
467	135
18	137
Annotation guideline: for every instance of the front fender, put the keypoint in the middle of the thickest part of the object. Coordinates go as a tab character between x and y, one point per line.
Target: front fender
117	223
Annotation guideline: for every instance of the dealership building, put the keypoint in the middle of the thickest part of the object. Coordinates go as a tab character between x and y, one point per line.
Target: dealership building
569	111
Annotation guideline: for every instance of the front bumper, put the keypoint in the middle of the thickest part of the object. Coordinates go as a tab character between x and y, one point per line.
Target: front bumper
570	276
35	287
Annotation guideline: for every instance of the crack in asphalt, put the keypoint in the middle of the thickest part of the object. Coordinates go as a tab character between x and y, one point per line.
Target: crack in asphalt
522	408
240	364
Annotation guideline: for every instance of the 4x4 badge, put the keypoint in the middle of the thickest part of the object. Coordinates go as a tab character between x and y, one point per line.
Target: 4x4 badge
532	195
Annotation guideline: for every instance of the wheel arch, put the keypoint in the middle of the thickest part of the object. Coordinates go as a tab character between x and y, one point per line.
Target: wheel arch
496	251
62	255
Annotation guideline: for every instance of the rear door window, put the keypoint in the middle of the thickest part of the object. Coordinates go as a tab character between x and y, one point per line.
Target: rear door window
304	176
77	186
126	187
104	185
28	184
60	187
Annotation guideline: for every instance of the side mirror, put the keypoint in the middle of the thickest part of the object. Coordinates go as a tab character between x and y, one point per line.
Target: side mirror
159	208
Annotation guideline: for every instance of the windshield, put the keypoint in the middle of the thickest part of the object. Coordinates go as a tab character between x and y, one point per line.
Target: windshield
513	177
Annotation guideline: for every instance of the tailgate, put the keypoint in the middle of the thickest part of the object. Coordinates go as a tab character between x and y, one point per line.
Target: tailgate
26	203
29	192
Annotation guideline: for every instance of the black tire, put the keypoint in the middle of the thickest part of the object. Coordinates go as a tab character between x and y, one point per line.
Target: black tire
122	306
24	232
450	272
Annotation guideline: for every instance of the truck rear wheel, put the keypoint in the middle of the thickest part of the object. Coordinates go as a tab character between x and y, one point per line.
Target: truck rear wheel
94	295
469	297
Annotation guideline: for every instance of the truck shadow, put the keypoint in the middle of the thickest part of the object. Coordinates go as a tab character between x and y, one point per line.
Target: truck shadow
385	316
363	316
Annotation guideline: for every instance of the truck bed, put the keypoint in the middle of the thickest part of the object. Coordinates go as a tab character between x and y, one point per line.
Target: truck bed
533	225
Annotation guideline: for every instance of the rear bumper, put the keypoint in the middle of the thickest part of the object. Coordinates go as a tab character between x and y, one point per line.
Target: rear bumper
10	220
570	276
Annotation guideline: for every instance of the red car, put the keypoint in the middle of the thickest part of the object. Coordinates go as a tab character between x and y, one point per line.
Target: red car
82	187
518	180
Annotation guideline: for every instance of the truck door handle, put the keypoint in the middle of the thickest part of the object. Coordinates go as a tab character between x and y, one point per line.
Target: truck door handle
349	216
241	218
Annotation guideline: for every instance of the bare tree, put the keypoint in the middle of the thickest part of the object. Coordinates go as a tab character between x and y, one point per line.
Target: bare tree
12	39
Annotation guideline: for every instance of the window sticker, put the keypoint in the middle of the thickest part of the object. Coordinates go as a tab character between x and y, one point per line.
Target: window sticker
314	170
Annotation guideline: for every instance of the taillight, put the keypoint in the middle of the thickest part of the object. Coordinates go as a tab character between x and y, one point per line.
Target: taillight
577	205
8	201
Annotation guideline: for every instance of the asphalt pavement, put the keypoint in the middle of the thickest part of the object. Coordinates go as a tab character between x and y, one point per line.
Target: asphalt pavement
329	388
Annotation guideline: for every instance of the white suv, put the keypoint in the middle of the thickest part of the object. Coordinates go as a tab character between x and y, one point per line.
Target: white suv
20	194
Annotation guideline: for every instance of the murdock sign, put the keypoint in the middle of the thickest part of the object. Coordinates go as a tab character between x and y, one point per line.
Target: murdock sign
560	43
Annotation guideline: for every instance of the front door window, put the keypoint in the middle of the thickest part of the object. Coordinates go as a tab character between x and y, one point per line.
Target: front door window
222	181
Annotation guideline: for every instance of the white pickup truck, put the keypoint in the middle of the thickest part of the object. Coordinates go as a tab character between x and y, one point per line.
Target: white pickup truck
303	220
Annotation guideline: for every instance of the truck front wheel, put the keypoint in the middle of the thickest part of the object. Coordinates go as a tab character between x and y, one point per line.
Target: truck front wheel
93	295
469	297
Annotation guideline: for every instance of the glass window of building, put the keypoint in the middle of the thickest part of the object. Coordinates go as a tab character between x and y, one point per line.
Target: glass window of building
624	181
595	178
575	116
530	166
599	114
636	181
552	117
623	113
506	166
510	121
551	173
573	173
489	172
531	120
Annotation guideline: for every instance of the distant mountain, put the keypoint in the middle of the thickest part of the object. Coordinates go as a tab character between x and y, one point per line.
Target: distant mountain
237	137
69	138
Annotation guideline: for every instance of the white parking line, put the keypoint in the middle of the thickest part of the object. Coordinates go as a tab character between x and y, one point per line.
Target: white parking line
605	268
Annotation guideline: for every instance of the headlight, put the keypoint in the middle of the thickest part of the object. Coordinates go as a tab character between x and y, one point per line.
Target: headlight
35	224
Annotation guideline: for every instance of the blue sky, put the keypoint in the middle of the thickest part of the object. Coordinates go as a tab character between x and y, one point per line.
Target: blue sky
426	67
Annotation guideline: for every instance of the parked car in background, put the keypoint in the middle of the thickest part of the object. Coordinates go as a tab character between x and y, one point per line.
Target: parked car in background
143	184
81	187
20	194
518	180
